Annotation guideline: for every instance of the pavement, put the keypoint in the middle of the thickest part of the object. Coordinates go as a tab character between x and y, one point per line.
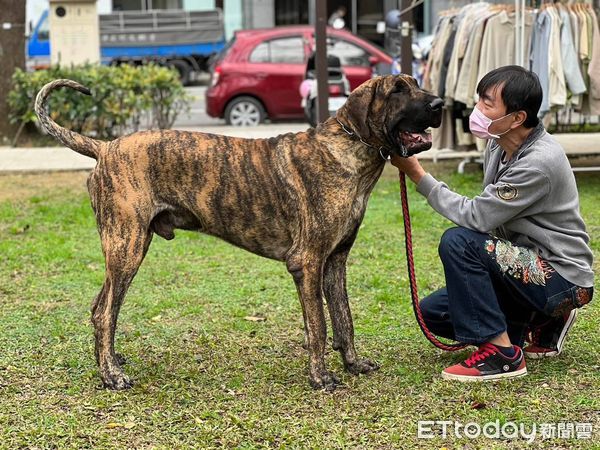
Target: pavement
47	159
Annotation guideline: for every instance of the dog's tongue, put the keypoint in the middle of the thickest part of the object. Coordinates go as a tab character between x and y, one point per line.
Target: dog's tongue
413	139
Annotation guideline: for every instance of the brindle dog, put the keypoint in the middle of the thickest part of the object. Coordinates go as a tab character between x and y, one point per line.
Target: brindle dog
298	198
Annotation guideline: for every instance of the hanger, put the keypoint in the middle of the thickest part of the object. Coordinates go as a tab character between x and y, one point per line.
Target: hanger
497	7
449	12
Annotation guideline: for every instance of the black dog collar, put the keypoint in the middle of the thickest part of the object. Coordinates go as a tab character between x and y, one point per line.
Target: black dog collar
384	152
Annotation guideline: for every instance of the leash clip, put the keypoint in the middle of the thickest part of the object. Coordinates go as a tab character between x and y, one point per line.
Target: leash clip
404	152
385	158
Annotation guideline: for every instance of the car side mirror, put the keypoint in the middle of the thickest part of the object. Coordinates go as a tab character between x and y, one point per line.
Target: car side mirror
373	61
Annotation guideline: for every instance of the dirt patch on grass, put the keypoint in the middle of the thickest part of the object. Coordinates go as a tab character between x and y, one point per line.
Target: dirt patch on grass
14	187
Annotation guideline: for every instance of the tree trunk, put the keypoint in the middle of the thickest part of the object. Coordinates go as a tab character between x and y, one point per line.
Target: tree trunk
12	55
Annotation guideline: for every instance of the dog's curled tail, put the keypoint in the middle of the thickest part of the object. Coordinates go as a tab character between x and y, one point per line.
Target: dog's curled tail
81	144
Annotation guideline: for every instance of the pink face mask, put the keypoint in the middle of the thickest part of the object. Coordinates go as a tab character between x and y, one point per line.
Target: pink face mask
479	124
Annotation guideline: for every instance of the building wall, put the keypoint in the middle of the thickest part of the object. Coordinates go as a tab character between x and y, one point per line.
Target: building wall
233	13
198	5
104	6
259	13
35	8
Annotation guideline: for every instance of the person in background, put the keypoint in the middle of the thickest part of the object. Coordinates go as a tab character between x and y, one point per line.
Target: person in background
336	20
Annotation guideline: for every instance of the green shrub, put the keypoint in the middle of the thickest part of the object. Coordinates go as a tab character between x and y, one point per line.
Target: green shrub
123	98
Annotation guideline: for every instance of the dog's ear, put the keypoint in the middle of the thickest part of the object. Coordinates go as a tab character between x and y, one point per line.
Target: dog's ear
356	110
397	84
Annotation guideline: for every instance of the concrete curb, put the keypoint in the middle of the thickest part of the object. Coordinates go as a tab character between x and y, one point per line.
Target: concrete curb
46	159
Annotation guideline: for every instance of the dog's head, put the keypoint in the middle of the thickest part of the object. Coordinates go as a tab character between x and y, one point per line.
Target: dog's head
394	112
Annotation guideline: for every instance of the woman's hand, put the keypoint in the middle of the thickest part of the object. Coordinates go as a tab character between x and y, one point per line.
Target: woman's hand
410	166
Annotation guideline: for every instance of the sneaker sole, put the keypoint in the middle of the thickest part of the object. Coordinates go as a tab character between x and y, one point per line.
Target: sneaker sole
465	378
561	339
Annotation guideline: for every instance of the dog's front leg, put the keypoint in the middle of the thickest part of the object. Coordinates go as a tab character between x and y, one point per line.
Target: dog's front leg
307	271
334	286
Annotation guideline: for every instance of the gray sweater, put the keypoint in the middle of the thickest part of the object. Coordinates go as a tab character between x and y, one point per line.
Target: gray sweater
531	201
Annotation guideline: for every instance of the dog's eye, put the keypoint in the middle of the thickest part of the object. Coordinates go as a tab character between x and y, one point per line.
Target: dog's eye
398	87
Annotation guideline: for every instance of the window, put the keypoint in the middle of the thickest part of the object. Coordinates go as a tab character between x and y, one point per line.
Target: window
145	5
287	51
260	54
165	4
44	30
349	54
129	5
279	51
291	12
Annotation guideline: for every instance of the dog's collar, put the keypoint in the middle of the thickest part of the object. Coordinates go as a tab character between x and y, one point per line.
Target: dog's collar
384	152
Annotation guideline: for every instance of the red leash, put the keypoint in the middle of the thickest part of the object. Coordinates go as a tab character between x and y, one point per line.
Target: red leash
413	279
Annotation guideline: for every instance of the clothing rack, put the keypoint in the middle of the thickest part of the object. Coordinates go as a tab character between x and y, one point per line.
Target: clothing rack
521	12
474	156
520	32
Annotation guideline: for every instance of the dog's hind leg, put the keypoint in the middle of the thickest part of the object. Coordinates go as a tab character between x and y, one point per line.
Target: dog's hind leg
307	271
124	243
334	286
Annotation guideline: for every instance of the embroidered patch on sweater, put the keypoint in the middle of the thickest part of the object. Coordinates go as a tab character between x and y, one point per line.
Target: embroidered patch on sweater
507	192
519	262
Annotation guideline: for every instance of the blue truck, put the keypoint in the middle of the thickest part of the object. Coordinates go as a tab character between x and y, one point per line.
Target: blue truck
184	40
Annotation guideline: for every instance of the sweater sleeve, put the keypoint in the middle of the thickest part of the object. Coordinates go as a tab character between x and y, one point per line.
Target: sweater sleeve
517	190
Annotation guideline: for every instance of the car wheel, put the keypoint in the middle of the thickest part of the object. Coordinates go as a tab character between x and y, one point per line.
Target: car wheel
244	112
184	70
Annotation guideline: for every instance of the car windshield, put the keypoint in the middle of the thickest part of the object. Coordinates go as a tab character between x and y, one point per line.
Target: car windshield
44	30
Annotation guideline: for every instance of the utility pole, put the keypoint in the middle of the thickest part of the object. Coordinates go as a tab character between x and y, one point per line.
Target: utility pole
12	55
406	32
321	61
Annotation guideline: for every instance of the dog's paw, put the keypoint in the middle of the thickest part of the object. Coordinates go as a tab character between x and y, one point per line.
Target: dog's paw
326	381
117	381
362	366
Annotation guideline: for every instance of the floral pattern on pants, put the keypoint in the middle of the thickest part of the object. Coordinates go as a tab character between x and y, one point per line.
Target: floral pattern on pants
519	262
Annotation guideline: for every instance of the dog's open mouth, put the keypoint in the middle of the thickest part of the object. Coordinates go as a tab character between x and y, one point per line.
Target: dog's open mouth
415	142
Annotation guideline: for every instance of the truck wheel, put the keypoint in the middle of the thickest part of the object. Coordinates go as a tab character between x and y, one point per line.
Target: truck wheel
244	112
184	70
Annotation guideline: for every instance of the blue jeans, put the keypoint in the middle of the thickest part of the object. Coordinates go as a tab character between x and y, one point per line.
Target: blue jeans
493	286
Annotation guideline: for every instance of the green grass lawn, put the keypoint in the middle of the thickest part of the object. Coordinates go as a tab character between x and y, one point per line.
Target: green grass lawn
207	377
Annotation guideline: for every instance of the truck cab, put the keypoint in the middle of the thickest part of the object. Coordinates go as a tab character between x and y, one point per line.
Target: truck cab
38	44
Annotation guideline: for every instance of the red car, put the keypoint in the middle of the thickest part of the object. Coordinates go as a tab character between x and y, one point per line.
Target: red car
258	74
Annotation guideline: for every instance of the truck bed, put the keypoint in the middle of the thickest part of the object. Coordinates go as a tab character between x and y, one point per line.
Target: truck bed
160	28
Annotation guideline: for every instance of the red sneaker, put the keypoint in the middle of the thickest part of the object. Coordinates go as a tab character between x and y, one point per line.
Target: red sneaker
487	363
548	338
